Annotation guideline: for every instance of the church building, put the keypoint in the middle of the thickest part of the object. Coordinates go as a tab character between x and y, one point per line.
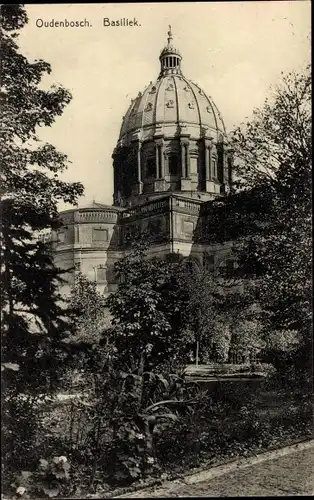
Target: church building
170	162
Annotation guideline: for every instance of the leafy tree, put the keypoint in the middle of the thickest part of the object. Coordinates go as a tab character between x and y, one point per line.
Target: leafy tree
275	147
89	318
33	318
204	317
270	215
89	313
147	310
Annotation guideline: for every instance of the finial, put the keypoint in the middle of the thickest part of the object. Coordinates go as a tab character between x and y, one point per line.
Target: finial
169	34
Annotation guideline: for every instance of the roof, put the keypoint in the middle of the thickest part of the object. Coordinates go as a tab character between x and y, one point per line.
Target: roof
172	101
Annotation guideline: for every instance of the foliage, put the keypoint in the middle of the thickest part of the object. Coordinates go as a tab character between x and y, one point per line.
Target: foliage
30	190
275	147
112	428
145	406
270	215
88	311
162	309
204	318
33	319
147	311
49	480
231	422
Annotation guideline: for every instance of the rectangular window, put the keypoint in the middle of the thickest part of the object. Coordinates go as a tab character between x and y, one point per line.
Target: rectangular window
101	273
100	235
193	165
214	167
188	227
61	237
229	170
209	262
173	165
229	267
151	167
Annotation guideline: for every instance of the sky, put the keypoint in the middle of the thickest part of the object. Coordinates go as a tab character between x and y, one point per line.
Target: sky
234	50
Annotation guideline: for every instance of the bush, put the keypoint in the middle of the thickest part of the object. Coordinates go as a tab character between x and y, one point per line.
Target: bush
21	425
49	480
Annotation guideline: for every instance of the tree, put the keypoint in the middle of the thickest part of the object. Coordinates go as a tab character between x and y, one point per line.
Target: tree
204	318
89	318
33	318
274	149
270	215
147	310
88	310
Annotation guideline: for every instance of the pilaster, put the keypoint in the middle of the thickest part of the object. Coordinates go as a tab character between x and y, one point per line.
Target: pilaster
139	185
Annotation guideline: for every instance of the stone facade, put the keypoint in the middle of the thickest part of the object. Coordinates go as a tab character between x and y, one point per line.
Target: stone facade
172	157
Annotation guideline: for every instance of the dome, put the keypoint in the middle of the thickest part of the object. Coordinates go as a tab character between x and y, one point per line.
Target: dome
172	101
172	139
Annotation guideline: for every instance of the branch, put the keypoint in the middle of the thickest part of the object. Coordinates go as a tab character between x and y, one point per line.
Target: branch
170	401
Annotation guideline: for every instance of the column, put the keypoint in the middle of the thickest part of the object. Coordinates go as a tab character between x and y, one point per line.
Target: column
207	162
230	167
187	159
77	233
157	161
162	160
210	181
223	159
139	167
210	163
183	173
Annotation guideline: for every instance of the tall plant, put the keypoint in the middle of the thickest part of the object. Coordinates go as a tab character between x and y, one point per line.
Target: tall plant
33	319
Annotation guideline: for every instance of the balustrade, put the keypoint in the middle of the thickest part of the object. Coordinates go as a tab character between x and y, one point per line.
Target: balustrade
98	215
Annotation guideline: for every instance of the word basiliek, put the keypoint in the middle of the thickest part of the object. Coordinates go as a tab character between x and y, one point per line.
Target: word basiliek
124	22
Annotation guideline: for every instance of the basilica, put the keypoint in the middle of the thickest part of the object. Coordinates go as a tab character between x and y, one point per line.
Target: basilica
170	162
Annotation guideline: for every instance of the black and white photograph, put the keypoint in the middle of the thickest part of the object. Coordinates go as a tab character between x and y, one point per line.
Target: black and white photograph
156	250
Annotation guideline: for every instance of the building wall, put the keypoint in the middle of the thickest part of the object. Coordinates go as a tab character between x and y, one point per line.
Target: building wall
92	240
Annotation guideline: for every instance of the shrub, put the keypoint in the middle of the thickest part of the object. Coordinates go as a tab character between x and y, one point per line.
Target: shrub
49	480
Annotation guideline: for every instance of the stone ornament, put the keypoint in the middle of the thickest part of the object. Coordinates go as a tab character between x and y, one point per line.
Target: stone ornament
191	105
149	106
208	109
153	90
170	104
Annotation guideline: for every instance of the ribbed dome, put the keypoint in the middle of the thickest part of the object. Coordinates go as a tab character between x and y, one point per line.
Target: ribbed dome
172	139
171	102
